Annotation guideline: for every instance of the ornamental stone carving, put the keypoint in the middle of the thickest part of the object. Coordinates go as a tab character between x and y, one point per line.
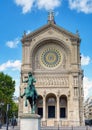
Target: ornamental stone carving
52	81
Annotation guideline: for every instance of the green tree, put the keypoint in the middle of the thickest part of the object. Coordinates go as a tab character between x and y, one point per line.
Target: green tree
13	110
7	89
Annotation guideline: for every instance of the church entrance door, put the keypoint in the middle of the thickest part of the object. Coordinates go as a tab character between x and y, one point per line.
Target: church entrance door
51	111
62	113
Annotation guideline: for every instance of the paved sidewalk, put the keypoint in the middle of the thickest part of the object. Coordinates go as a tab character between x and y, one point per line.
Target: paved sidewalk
10	128
50	128
66	128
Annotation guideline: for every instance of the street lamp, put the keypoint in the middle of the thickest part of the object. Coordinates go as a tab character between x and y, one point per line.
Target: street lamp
1	104
58	126
7	121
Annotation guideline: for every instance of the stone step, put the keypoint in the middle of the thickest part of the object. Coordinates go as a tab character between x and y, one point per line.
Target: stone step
67	128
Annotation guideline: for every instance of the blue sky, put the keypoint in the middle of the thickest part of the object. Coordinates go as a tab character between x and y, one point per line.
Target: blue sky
17	16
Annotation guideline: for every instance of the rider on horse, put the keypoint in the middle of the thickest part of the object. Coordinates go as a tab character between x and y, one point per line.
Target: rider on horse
30	92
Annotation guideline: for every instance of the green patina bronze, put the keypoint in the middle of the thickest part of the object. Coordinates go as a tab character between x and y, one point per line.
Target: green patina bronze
30	92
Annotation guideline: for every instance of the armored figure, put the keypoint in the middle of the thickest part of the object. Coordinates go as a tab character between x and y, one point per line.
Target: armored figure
30	92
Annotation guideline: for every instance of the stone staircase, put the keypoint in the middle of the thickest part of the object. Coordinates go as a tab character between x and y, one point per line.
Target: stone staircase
55	128
67	128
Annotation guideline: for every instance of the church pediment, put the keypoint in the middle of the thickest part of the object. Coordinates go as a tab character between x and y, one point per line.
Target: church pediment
50	28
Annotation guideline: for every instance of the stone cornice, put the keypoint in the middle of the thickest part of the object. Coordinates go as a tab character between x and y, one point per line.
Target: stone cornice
52	72
29	115
75	41
79	71
26	43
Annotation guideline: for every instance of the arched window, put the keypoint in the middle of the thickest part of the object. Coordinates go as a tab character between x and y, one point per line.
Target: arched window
51	106
63	106
63	102
51	100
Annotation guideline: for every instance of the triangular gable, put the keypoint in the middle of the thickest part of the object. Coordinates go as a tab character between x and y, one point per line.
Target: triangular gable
47	26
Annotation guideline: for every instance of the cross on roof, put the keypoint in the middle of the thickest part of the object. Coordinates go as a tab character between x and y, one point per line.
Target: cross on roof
51	17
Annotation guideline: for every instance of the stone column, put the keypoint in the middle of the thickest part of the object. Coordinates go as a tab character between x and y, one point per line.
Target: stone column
58	109
44	108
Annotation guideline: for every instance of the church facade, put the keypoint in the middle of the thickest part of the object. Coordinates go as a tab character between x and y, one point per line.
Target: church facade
52	54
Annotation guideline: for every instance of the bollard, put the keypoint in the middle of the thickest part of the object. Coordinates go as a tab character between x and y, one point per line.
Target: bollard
58	126
87	127
72	127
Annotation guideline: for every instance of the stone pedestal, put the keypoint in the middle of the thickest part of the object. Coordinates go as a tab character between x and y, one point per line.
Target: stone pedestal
30	122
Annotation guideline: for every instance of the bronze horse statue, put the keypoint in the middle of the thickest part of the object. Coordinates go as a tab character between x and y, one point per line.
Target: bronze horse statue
30	92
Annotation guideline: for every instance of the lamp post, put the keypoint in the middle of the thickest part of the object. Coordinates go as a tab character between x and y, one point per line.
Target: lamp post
1	104
7	121
0	119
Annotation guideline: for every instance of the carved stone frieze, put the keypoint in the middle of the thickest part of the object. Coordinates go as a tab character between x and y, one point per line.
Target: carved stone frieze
52	81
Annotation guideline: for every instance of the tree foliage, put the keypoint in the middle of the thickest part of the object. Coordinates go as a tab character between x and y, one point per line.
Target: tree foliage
13	110
7	88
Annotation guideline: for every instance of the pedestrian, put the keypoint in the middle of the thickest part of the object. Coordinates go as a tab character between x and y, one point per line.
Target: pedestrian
14	122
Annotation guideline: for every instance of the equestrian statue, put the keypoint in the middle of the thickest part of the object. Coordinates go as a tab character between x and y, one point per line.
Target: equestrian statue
30	92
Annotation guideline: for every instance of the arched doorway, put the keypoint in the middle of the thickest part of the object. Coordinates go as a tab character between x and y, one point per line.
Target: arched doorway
40	106
63	106
51	106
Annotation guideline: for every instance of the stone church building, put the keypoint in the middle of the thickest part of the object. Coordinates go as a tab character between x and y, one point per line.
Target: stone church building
52	54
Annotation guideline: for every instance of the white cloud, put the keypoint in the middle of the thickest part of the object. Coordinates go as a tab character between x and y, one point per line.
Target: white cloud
87	84
25	4
40	4
14	65
48	4
17	87
81	5
13	44
28	31
85	60
16	93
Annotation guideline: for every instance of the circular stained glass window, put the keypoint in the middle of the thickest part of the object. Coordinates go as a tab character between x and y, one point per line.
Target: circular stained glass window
51	57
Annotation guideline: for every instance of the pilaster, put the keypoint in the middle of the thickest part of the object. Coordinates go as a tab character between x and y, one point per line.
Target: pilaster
44	107
58	108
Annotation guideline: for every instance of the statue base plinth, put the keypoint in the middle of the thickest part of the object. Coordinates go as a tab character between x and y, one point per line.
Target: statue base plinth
30	121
